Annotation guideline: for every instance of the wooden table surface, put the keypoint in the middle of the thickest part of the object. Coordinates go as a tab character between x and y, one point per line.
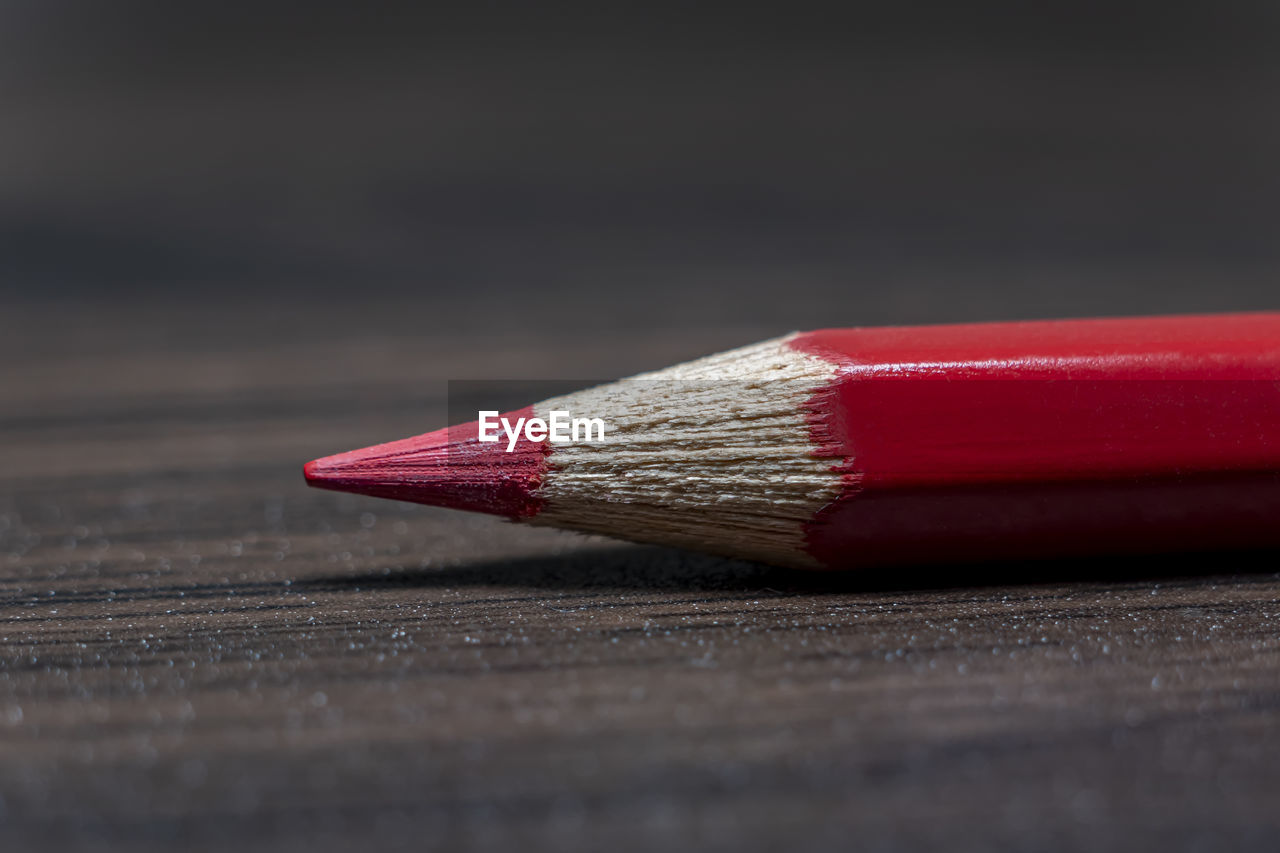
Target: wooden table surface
198	652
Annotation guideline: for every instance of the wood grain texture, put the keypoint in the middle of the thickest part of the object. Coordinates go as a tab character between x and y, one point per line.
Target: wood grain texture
198	652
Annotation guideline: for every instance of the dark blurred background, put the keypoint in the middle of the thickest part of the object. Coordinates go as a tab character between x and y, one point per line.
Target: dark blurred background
640	166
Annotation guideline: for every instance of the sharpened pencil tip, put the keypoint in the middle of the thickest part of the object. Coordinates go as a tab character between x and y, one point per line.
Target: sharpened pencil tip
446	468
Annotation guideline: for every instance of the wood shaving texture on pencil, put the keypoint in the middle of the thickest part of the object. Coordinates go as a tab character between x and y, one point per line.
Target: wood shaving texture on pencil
715	455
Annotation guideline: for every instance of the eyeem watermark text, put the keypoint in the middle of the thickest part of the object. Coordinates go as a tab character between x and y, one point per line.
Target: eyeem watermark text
561	428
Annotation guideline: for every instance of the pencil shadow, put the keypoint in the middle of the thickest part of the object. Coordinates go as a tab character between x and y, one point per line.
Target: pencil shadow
666	569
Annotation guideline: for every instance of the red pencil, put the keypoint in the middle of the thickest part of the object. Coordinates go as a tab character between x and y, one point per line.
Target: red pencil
849	447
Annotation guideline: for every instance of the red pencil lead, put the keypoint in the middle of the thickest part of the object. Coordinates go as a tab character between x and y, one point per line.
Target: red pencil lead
447	468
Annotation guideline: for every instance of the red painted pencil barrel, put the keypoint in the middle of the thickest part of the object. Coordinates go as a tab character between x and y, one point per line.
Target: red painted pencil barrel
1050	438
